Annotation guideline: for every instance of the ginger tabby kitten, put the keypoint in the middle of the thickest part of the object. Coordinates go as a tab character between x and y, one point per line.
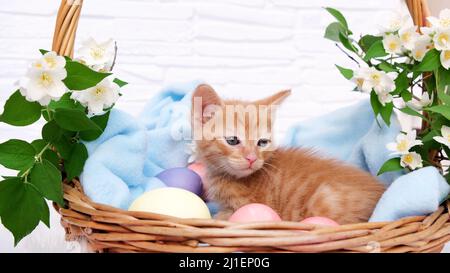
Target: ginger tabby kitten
295	182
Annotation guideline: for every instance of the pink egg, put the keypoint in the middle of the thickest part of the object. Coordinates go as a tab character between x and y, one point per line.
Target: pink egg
317	220
199	168
254	213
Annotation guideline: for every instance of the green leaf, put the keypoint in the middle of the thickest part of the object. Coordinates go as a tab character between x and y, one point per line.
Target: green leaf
101	121
430	62
441	109
38	145
430	83
346	42
391	165
338	15
16	154
74	120
407	110
406	95
47	179
444	79
52	157
444	98
386	112
333	30
65	102
45	213
43	51
438	121
80	77
367	41
401	83
119	82
376	105
74	165
51	132
430	135
347	73
21	208
64	147
20	112
375	51
386	67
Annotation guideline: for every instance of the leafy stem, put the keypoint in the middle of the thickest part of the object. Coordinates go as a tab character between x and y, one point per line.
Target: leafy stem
49	113
115	56
39	155
38	158
348	55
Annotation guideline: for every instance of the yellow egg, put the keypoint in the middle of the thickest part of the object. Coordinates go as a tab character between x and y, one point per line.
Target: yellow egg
173	202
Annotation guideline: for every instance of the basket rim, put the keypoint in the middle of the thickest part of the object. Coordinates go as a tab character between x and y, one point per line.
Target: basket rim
113	229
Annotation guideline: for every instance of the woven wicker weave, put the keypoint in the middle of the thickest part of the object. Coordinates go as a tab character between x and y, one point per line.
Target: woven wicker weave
109	229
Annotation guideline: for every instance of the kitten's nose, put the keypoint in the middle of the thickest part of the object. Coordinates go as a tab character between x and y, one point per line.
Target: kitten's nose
251	158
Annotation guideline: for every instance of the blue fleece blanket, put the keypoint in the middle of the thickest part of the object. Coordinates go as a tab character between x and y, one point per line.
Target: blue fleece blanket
123	162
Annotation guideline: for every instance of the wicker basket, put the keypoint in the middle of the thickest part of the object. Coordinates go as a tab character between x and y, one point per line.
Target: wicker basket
108	229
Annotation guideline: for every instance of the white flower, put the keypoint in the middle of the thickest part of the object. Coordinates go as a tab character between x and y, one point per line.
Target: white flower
49	61
97	55
43	85
428	31
392	44
359	76
445	164
442	39
396	21
445	58
445	138
52	61
412	160
379	81
404	142
443	21
408	36
421	47
384	97
99	97
424	101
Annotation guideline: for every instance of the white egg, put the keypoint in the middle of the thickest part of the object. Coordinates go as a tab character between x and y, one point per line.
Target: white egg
173	202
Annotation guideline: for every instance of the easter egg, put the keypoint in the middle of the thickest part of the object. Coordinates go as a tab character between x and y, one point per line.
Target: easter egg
183	178
200	169
173	202
254	213
322	221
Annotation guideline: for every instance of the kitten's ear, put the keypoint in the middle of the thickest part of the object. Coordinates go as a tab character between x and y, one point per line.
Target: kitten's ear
275	99
204	100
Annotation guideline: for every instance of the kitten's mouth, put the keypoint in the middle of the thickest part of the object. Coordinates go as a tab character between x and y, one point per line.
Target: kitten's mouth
242	169
243	172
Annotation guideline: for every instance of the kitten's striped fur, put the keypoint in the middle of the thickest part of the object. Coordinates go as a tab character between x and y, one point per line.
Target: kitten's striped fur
296	183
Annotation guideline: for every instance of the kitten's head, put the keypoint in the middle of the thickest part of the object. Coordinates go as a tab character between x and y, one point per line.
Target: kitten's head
233	137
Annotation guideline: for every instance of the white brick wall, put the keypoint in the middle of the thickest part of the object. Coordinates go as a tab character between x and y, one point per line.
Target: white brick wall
245	48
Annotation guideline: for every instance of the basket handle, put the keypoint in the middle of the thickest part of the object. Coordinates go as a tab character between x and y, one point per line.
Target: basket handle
419	11
66	27
69	14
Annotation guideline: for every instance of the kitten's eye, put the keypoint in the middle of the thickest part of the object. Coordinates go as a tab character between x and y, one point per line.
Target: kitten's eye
263	142
233	141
